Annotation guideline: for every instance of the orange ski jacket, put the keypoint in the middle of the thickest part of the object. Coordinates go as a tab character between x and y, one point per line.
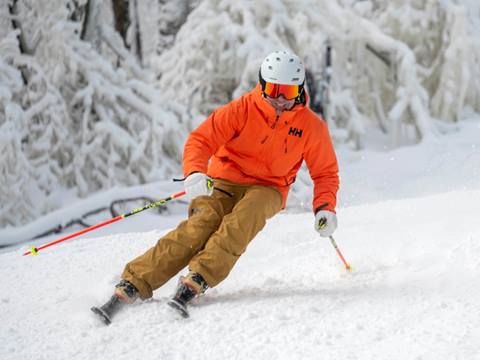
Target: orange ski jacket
247	143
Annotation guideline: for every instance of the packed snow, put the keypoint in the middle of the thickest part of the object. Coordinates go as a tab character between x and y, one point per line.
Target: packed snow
408	224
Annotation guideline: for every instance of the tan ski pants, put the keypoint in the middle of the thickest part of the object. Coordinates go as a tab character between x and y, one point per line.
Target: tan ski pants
211	240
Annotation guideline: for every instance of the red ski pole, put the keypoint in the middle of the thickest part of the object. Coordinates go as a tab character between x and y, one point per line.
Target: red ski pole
347	265
322	224
34	250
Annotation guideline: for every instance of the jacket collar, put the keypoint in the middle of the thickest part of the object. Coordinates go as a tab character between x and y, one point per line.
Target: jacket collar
268	110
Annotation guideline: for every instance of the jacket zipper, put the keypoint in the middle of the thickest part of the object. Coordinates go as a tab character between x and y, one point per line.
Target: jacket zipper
264	140
272	127
275	123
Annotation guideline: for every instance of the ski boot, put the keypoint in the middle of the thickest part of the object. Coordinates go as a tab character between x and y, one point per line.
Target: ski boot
125	294
188	288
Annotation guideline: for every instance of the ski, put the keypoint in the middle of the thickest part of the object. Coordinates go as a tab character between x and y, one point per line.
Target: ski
106	312
102	315
179	308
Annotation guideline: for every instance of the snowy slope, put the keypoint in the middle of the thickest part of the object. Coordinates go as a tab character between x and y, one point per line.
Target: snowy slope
414	246
412	294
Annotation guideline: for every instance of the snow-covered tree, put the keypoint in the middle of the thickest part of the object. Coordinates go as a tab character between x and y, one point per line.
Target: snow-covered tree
92	95
391	62
76	121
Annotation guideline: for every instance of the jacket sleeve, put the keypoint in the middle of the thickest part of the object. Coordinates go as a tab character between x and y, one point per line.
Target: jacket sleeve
323	167
220	127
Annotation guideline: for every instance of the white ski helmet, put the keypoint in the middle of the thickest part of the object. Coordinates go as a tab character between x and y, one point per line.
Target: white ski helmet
282	67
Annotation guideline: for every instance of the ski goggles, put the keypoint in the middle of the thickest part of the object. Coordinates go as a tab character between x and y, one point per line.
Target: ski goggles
289	92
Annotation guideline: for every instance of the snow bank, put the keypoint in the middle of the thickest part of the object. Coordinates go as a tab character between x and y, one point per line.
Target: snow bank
78	208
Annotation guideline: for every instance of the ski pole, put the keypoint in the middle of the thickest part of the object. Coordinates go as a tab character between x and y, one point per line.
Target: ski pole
34	250
322	224
347	265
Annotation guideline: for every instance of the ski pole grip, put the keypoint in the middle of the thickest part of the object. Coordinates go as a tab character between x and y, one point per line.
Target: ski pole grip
322	223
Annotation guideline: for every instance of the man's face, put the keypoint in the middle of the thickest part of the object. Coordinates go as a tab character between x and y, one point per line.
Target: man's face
280	103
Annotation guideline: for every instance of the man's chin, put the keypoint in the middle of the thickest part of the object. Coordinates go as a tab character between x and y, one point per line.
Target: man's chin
279	107
284	108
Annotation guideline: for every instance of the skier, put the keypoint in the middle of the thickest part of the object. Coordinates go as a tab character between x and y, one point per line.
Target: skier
239	165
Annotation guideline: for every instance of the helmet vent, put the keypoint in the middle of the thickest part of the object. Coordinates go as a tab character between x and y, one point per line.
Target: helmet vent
282	67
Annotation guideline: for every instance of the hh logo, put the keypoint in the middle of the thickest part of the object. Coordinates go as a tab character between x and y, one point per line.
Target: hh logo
295	132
